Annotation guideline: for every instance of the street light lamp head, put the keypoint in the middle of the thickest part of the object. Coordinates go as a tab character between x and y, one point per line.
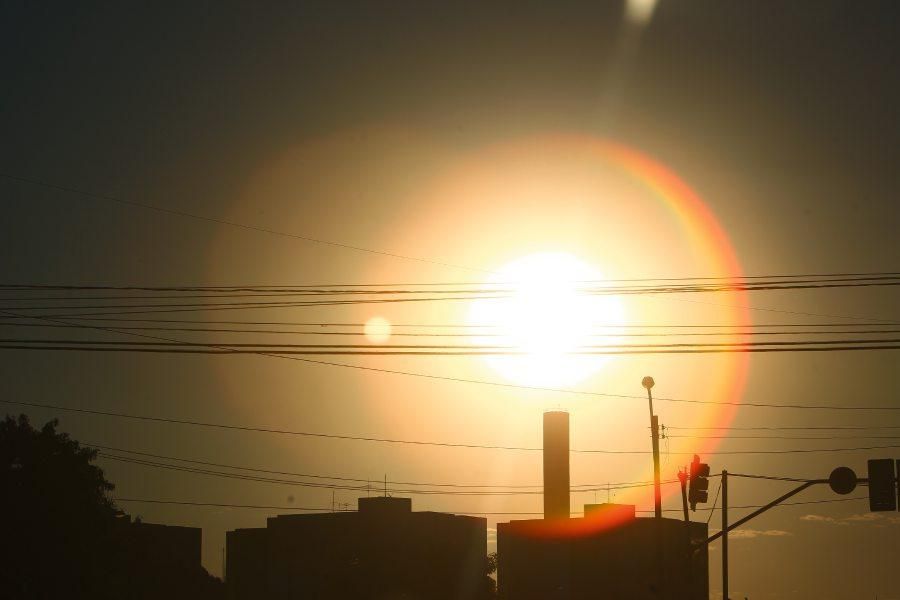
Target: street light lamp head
647	382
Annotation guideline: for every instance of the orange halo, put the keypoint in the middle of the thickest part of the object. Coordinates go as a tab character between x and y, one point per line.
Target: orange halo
707	239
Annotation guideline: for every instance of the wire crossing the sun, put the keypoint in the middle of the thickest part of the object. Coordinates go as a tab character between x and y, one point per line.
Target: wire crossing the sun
155	300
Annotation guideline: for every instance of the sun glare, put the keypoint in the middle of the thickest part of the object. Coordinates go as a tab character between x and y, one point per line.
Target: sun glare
550	313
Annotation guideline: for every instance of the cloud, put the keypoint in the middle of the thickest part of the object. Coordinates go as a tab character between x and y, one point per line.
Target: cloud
749	534
879	519
822	519
818	518
864	517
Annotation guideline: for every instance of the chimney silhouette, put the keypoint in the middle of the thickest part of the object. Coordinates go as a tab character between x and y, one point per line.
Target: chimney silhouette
556	465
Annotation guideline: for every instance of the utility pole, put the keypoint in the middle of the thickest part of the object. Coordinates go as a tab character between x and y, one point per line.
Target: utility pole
648	383
724	534
689	563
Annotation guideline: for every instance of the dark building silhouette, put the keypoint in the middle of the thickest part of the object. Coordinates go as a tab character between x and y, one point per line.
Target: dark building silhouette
155	561
556	465
382	551
607	554
179	546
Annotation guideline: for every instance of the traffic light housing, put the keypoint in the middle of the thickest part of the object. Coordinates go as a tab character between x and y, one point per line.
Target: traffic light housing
882	485
698	490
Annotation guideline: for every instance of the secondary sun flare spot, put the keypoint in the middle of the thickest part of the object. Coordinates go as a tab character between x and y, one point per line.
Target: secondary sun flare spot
639	12
548	316
377	330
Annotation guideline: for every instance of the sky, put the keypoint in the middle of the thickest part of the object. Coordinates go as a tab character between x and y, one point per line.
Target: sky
437	143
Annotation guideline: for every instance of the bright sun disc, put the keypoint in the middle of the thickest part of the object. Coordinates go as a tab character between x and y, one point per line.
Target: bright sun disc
551	312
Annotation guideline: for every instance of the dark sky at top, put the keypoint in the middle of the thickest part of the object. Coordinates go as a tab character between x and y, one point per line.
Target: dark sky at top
137	99
784	114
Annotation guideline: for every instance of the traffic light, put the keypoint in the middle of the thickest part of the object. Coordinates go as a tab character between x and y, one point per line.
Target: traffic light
882	485
698	492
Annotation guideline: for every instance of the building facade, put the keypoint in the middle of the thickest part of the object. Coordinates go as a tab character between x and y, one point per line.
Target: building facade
383	551
607	554
177	545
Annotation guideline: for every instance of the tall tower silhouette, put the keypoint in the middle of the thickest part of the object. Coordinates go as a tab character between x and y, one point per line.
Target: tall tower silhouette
556	465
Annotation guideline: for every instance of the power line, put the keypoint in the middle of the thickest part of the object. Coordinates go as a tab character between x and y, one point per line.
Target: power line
343	487
449	325
243	306
788	312
476	381
344	483
267	430
197	217
454	295
823	277
574	488
475	334
769	477
309	484
482	513
712	509
786	437
586	348
789	428
404	441
596	287
268	351
305	238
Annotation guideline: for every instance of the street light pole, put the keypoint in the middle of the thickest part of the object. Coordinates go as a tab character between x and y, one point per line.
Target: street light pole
725	535
648	382
654	432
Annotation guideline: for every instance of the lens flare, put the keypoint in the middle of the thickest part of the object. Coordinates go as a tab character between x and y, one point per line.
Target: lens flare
639	12
378	330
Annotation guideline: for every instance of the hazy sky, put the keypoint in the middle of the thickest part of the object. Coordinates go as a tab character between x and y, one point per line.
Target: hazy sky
460	134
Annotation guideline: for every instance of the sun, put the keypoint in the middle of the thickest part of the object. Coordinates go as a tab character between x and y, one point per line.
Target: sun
552	307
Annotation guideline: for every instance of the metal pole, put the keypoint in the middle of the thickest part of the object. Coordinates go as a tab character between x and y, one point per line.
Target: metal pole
648	383
725	535
689	563
654	428
657	491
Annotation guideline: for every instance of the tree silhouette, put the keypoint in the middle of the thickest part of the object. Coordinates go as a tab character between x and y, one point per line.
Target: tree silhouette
55	512
491	564
490	567
62	535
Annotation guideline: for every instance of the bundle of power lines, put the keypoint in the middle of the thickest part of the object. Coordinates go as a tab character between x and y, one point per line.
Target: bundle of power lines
129	310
